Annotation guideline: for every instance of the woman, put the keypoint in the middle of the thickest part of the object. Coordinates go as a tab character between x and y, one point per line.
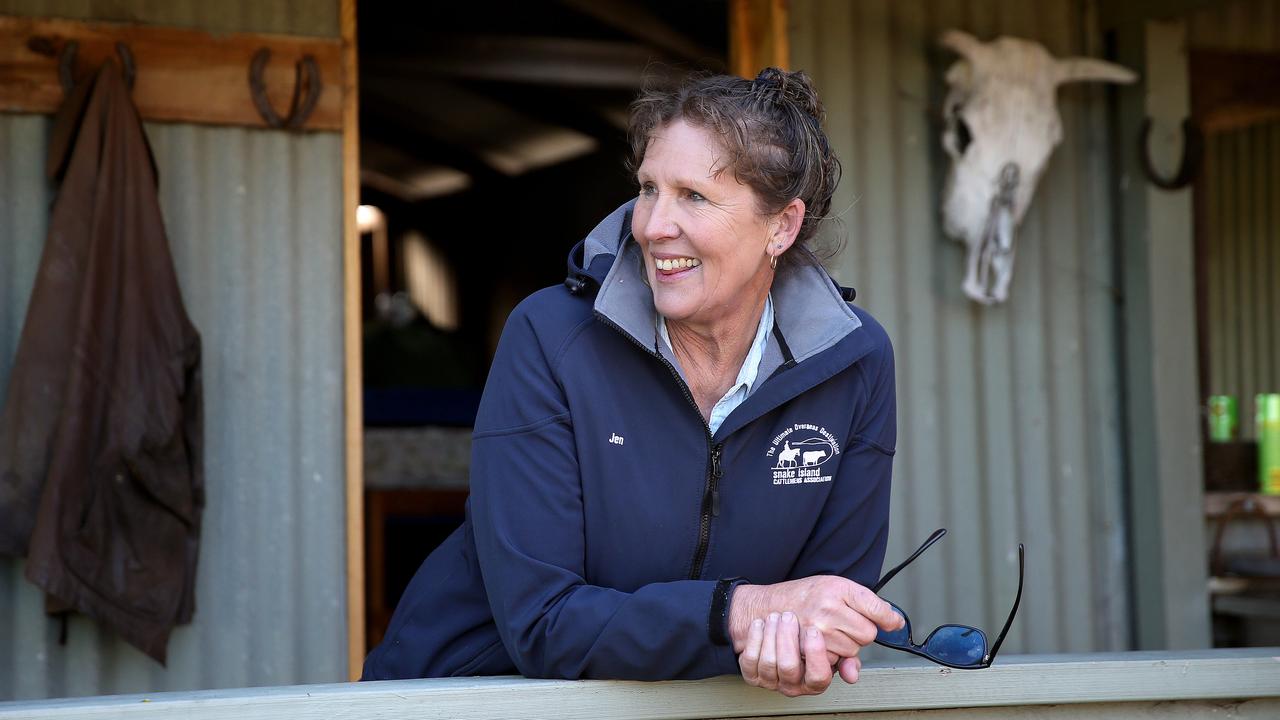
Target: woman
681	461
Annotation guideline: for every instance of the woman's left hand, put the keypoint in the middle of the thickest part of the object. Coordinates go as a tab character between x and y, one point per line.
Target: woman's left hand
780	656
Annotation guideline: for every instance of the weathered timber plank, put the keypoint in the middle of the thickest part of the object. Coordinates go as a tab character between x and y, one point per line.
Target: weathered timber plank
1264	709
183	75
1146	677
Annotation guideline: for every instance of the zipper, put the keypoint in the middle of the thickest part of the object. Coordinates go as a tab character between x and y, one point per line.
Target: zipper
711	489
710	509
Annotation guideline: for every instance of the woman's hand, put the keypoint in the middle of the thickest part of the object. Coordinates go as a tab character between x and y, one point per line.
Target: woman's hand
847	615
780	656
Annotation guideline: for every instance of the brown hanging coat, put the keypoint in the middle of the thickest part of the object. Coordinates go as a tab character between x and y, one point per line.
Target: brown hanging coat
101	480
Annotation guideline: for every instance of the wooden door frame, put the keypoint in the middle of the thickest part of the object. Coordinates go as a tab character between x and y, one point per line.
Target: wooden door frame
758	36
353	372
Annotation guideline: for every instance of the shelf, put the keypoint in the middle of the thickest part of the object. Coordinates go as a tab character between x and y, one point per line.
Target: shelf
1215	503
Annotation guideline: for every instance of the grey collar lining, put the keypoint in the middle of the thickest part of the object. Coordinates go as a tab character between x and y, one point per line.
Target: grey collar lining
808	309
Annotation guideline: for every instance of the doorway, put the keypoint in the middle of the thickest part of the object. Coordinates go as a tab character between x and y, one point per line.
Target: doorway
492	138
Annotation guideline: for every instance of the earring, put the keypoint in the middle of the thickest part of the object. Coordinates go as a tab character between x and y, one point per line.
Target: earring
773	261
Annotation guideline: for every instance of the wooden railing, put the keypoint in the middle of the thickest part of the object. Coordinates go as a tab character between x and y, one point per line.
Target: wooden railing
1118	685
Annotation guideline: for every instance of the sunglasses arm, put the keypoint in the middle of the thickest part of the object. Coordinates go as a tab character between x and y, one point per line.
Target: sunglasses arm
935	537
1009	622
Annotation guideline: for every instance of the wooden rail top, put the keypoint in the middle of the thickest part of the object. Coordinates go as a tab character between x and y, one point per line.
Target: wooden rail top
1245	674
182	75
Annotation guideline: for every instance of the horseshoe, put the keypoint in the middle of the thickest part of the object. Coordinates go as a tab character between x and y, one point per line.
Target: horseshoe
67	65
1192	150
307	75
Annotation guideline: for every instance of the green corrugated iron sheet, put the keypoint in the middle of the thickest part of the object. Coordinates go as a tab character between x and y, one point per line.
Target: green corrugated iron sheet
1009	416
254	221
1242	223
1242	250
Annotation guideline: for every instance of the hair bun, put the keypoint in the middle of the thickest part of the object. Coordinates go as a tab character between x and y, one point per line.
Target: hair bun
794	87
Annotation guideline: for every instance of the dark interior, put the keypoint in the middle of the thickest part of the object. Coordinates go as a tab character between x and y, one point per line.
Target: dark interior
497	131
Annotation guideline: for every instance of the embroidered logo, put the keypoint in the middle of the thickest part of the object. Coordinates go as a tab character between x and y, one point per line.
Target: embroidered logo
616	439
800	452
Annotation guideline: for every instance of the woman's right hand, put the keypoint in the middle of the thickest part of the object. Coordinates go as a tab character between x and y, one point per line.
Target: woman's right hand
848	615
781	656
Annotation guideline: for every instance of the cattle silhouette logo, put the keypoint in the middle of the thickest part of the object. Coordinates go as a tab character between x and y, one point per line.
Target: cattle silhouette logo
801	454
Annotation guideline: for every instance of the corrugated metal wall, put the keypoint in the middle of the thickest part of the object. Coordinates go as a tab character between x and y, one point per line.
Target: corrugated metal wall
1242	182
254	218
1009	416
1244	25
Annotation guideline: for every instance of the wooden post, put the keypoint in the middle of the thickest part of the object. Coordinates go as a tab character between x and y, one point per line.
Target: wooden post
758	36
353	376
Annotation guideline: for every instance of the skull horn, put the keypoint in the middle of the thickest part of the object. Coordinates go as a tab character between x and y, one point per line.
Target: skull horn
1083	69
965	45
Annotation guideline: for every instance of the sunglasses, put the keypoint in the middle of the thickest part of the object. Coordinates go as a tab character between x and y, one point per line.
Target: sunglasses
956	646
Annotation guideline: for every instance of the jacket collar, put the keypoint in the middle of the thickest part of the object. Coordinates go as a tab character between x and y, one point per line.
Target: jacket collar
810	312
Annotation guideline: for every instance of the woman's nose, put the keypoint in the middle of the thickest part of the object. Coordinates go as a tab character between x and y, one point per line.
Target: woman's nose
660	225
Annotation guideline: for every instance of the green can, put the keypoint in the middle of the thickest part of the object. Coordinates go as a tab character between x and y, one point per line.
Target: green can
1268	423
1224	418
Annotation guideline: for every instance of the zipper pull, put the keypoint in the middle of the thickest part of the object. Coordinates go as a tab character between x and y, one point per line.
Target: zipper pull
716	474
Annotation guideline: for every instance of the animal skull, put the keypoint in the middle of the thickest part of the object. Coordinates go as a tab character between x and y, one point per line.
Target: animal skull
1002	124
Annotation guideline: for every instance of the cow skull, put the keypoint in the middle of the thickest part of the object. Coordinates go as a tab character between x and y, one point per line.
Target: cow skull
1002	124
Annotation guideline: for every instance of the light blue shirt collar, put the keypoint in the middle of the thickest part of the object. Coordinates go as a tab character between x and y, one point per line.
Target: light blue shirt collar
743	385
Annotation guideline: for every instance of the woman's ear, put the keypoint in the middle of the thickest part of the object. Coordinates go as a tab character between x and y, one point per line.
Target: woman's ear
786	227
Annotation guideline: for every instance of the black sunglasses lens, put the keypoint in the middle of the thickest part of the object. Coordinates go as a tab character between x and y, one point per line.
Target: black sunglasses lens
958	645
897	638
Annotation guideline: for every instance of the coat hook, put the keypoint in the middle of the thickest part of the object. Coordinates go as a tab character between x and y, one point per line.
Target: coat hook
306	91
1192	149
67	63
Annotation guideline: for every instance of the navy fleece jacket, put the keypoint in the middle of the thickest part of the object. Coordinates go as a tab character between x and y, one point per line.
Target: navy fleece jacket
602	511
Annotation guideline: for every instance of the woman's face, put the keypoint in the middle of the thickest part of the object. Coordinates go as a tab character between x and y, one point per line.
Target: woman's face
703	237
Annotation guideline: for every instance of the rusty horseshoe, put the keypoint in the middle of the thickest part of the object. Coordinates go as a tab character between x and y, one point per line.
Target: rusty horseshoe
306	91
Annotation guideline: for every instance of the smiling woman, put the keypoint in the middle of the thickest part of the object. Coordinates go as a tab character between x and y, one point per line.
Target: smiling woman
697	405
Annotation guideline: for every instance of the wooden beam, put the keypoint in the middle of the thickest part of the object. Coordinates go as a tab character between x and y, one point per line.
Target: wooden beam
353	376
569	62
571	109
634	20
758	36
417	139
183	75
1232	90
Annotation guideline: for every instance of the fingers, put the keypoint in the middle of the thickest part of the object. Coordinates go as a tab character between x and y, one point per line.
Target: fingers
858	631
749	660
850	668
817	667
776	656
790	668
870	606
769	653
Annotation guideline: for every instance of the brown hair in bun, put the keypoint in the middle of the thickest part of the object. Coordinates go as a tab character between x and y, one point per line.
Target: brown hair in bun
770	128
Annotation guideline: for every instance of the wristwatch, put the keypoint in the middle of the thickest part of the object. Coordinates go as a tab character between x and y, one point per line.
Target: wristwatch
718	619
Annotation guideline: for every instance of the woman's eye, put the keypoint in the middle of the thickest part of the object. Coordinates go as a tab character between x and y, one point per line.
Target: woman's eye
647	190
695	196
